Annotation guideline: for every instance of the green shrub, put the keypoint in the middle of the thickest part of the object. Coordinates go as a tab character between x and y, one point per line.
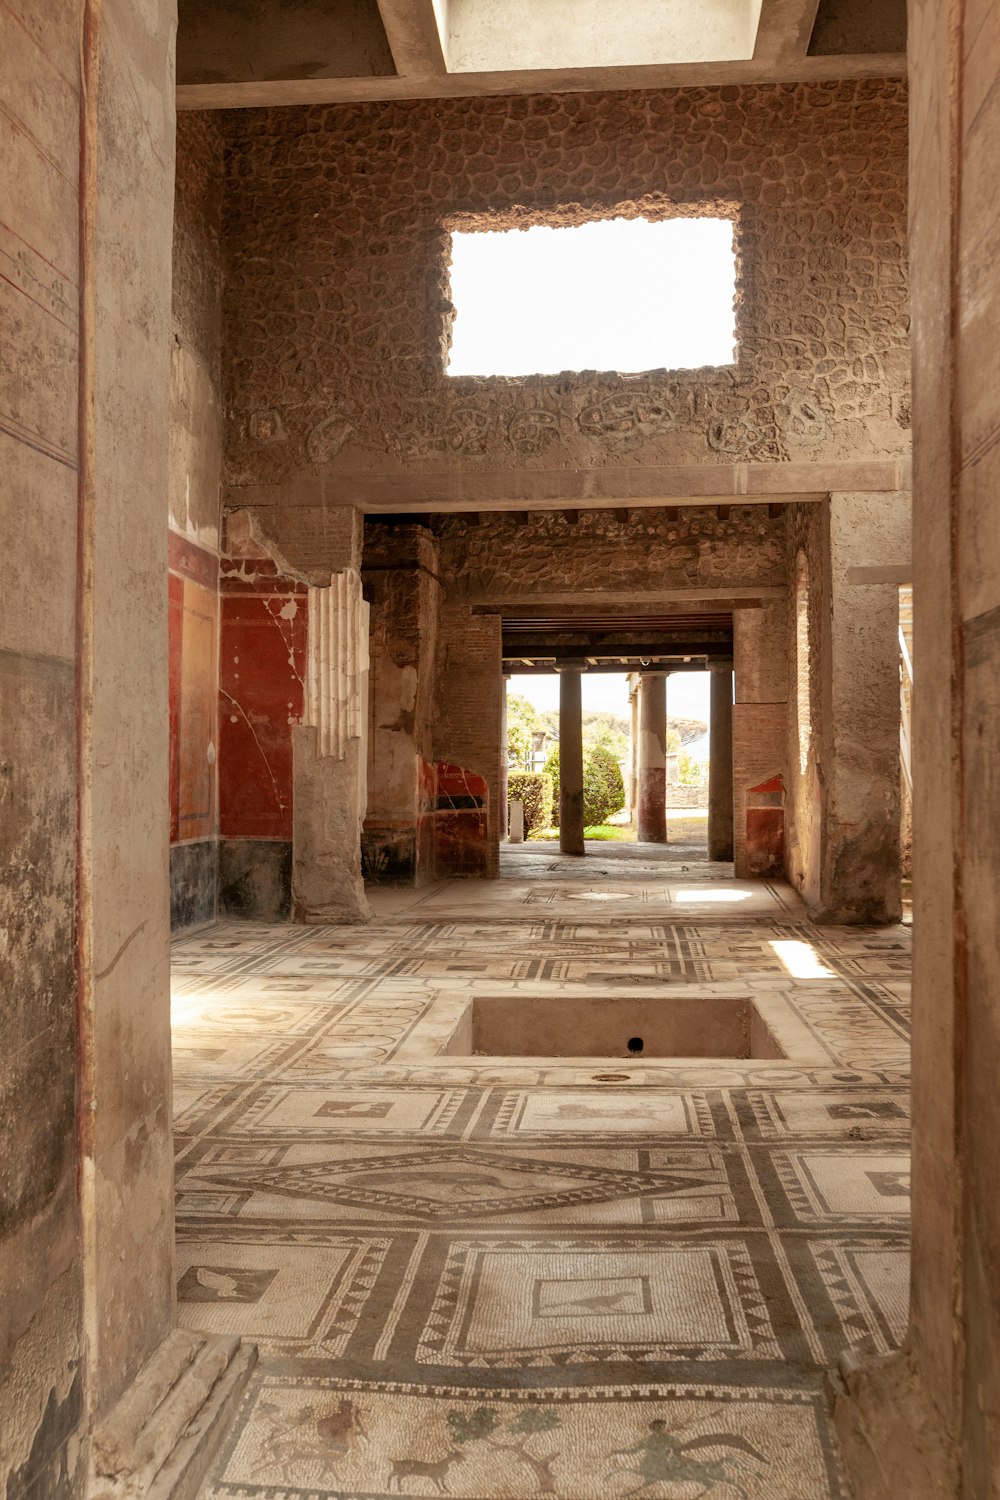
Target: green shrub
534	789
603	788
551	770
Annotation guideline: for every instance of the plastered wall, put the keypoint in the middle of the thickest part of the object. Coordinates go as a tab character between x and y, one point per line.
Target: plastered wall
42	1384
86	1147
195	457
337	311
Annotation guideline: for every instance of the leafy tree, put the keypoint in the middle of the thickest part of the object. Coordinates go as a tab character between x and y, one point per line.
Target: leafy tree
606	729
522	723
511	1436
603	788
688	770
466	1427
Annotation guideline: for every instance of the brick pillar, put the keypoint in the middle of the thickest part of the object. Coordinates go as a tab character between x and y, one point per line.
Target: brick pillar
720	765
570	760
652	778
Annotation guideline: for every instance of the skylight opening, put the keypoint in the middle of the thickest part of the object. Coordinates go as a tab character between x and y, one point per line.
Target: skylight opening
626	295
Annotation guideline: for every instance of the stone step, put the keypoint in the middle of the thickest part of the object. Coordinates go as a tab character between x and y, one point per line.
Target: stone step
159	1440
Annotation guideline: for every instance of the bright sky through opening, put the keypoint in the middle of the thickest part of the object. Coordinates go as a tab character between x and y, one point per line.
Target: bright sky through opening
620	294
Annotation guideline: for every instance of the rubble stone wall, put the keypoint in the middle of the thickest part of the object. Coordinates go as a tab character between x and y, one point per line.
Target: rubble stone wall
337	308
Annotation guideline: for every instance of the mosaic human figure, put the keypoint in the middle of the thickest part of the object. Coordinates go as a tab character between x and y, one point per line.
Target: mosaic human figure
327	1437
664	1459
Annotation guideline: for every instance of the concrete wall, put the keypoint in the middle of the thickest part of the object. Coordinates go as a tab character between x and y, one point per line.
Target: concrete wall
86	1232
337	311
195	469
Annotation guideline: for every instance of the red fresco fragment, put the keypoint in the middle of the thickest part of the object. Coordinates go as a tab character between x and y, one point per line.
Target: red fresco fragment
765	840
461	822
261	699
175	635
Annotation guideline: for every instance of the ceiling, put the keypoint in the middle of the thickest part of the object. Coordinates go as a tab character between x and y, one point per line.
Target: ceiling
244	53
616	641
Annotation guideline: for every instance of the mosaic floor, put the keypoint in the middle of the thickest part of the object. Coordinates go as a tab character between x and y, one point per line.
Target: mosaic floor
573	1277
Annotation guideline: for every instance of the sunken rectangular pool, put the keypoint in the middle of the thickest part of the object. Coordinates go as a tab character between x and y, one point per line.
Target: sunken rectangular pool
567	1025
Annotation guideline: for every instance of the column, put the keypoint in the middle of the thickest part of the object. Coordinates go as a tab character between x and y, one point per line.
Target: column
652	789
329	758
503	814
570	760
720	764
633	744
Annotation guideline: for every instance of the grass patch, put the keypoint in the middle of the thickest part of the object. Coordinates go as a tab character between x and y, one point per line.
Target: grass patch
610	832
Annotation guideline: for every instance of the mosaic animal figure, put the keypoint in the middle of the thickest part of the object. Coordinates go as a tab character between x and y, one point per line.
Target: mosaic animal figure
666	1459
417	1468
609	1302
327	1437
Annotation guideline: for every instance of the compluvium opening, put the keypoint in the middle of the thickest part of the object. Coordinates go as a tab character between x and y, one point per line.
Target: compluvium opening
625	295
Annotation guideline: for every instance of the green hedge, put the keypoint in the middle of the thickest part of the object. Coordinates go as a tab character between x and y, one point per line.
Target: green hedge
535	791
603	788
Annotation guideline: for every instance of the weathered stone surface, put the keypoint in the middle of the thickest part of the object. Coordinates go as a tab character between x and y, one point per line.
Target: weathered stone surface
196	348
403	589
328	810
506	557
468	691
337	305
193	883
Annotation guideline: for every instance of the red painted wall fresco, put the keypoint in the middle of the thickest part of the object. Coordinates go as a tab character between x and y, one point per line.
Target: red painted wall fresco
192	584
766	827
461	824
261	696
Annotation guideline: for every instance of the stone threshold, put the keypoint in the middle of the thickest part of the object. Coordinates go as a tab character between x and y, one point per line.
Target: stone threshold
160	1439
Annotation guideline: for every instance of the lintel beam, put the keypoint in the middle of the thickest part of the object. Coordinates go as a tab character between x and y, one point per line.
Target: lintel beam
414	40
264	93
633	486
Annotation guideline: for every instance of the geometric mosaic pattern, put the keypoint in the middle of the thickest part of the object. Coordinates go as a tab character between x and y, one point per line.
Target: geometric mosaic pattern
491	1277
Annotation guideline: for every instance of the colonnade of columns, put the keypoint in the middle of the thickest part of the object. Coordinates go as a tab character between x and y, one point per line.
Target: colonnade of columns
647	791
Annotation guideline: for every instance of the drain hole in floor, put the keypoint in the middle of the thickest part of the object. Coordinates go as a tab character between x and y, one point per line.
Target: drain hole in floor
612	1078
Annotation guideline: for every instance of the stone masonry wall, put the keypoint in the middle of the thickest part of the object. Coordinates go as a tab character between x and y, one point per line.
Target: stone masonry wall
467	721
611	552
337	314
196	345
